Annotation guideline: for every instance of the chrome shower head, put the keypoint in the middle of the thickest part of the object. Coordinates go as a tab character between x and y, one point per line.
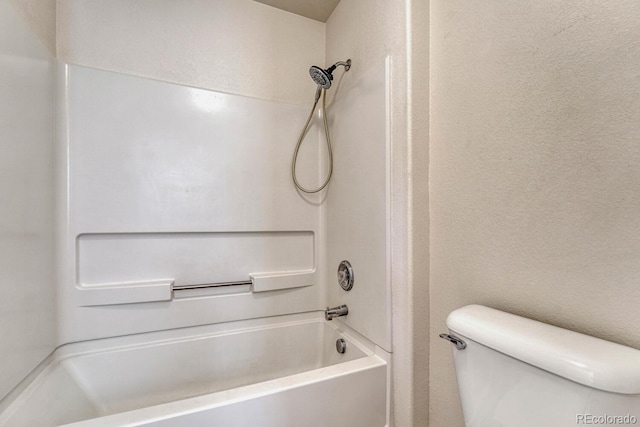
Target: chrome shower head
323	77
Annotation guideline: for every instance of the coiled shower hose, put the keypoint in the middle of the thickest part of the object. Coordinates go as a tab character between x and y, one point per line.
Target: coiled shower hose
319	92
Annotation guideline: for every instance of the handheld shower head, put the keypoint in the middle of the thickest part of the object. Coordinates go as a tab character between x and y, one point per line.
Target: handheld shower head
322	77
323	80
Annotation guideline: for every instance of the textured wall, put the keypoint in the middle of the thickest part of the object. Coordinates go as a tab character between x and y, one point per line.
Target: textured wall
419	212
27	305
40	16
235	46
535	169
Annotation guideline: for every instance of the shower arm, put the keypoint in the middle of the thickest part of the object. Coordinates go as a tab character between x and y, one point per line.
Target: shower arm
346	64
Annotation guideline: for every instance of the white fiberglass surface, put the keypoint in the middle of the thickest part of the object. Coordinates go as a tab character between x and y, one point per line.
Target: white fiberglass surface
164	183
115	375
124	379
358	202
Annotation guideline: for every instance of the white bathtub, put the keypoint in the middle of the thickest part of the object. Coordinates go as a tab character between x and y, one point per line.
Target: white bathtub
280	371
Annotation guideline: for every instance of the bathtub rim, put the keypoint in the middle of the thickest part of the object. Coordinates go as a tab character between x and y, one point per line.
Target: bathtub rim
373	356
160	412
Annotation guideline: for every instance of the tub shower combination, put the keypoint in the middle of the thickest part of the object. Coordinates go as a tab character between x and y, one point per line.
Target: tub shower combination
187	295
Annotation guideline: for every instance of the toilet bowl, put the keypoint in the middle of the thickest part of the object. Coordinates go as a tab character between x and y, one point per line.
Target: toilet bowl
518	372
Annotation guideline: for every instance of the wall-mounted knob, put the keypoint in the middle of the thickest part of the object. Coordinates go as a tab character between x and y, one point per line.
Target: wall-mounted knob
345	275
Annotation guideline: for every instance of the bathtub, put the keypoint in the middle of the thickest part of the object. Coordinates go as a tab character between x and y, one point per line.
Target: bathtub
278	371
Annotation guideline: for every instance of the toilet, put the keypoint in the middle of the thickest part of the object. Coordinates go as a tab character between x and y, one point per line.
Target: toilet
517	372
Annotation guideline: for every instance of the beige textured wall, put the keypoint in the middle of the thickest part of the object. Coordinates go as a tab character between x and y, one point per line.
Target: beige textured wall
419	211
27	304
40	16
367	31
235	46
535	169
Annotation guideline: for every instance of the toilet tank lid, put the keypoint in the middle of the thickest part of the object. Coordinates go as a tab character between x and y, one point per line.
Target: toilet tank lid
584	359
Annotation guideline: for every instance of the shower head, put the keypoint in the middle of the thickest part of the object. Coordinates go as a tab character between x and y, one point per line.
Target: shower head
322	77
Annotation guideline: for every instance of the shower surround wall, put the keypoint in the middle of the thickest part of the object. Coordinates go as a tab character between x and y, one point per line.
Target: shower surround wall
187	182
27	305
358	204
168	184
232	193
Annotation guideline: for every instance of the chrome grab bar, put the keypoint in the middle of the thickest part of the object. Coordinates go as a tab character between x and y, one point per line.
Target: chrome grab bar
210	285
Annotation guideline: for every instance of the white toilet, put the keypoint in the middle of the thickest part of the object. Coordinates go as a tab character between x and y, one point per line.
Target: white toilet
517	372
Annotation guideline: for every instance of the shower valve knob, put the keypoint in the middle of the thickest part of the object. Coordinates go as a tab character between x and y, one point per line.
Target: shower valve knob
345	275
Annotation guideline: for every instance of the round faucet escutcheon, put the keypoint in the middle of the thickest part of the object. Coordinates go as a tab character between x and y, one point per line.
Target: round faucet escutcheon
345	275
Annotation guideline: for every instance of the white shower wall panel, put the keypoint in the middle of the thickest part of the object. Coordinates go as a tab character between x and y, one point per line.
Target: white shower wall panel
152	156
358	203
168	183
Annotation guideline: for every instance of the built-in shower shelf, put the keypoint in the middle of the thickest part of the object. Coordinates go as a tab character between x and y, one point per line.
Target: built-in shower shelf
184	265
166	290
125	293
281	280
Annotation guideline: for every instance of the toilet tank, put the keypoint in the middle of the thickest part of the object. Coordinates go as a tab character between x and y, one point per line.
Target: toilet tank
518	372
